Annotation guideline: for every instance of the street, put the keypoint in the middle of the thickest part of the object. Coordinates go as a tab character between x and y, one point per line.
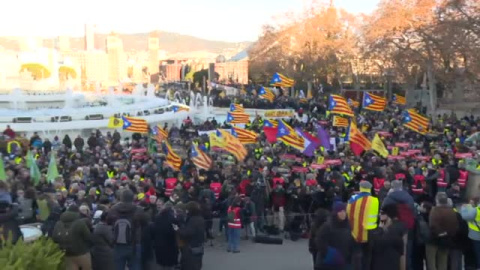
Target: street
289	256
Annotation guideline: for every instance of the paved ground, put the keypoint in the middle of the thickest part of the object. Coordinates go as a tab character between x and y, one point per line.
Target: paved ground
289	256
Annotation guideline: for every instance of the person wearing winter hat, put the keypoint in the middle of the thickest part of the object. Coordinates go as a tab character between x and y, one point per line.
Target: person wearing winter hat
362	212
335	241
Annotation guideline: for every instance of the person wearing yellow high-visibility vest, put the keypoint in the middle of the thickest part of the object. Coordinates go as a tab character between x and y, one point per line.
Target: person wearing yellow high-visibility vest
362	211
347	179
471	214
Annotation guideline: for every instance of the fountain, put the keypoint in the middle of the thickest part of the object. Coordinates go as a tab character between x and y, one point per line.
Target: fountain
68	99
192	99
111	100
17	100
138	90
150	90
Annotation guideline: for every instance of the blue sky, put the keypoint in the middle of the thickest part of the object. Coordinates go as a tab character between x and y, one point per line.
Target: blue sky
226	20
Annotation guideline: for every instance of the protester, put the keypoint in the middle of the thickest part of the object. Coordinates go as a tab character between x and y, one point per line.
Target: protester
320	217
274	189
443	226
335	240
164	240
102	250
8	221
234	226
74	237
192	234
388	241
471	214
128	220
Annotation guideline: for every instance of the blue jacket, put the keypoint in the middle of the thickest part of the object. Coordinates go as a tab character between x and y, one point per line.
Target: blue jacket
399	197
469	213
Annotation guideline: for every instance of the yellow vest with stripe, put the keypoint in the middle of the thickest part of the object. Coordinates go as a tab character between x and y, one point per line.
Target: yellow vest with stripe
362	211
474	225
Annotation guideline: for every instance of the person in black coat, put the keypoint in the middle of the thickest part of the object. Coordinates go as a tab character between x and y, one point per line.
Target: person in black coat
9	222
47	146
164	239
335	236
193	235
320	217
389	241
67	142
102	250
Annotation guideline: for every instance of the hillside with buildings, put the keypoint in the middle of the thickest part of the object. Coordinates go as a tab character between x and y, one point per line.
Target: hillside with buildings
170	42
107	60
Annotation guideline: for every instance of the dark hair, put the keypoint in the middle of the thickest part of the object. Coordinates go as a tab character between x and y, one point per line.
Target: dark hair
319	218
103	216
104	200
30	193
390	210
73	208
3	185
127	196
427	206
193	208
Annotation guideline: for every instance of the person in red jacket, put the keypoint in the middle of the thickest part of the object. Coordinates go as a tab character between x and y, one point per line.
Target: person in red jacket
234	226
170	184
279	200
216	188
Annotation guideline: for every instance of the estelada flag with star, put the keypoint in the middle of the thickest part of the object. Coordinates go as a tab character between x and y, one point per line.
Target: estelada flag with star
338	105
373	103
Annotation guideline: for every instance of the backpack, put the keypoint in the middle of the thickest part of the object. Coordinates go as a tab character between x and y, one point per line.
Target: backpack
405	215
26	209
123	231
63	236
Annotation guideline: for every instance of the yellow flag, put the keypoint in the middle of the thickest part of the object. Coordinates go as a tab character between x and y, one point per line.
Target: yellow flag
395	151
320	159
378	146
216	141
115	122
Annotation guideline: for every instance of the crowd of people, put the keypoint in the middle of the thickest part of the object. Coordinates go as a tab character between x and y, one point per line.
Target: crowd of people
117	204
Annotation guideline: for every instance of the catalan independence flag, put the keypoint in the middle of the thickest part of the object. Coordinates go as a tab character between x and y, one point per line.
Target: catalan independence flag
415	121
236	108
360	208
353	103
397	99
289	136
266	93
245	136
159	134
358	141
134	124
373	103
180	109
200	159
233	145
173	160
338	105
281	80
237	118
270	123
339	121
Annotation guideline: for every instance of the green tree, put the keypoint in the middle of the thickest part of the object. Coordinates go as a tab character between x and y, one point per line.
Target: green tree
198	76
